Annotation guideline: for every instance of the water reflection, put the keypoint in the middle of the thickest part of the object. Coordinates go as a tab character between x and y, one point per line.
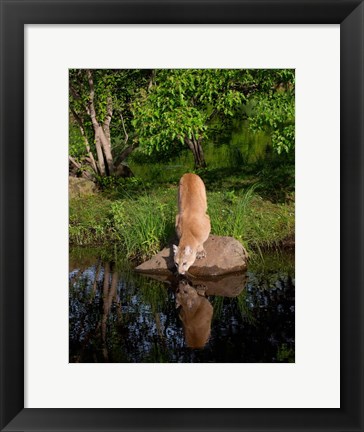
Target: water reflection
195	309
109	296
118	316
195	314
230	285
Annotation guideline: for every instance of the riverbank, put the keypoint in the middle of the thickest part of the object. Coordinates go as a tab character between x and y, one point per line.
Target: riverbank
141	222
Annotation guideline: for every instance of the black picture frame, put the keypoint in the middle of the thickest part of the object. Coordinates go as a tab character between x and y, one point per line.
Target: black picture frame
14	15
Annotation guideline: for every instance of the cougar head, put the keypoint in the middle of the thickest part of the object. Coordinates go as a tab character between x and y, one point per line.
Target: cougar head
184	257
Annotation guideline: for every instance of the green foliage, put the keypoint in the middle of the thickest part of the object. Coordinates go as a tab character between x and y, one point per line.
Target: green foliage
181	104
76	143
275	112
184	104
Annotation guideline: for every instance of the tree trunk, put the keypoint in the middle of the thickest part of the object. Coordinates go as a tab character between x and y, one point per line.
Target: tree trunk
196	148
100	137
100	156
106	147
104	164
106	133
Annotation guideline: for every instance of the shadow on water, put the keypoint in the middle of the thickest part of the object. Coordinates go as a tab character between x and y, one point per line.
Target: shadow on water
117	315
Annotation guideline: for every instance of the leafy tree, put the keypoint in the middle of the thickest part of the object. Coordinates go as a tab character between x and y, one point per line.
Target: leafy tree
99	105
273	108
180	107
164	111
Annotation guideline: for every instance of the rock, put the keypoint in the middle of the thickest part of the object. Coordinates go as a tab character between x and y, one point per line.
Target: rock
80	187
223	255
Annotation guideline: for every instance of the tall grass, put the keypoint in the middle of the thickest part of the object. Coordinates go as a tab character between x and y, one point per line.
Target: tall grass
228	212
142	226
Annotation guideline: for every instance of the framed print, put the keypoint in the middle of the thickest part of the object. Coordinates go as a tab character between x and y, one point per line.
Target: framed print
317	384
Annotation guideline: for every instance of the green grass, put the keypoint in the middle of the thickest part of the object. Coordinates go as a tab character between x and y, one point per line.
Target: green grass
140	222
88	221
143	226
257	223
228	212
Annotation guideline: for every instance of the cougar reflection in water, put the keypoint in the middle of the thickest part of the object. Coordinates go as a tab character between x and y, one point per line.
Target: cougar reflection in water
196	315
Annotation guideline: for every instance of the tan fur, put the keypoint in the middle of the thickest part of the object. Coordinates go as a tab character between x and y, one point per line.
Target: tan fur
192	222
196	315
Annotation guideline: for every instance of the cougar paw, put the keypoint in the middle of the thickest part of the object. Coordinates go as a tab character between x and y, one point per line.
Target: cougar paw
201	290
201	254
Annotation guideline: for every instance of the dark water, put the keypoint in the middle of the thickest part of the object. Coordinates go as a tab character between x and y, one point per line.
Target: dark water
117	315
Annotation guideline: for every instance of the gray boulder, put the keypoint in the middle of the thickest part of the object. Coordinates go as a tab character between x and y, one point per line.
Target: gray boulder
79	186
223	255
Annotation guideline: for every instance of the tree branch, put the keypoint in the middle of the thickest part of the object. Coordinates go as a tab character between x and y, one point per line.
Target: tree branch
126	135
125	153
109	110
73	162
100	137
152	79
91	105
74	92
85	174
